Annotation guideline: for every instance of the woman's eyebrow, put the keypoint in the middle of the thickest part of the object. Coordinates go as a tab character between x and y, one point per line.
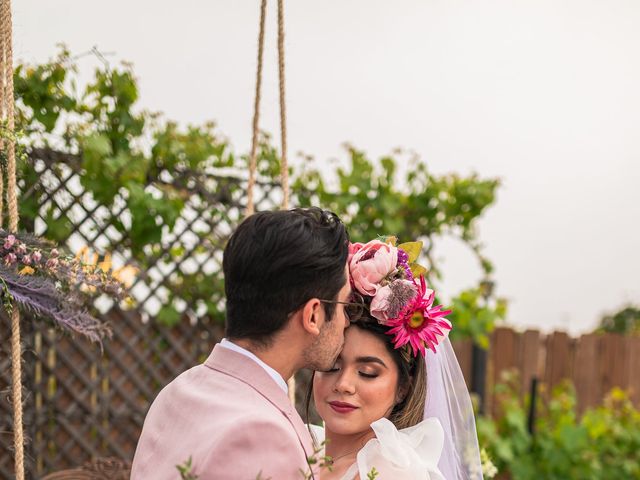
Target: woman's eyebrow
370	360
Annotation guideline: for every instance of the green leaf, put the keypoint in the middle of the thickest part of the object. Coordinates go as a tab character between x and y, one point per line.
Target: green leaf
418	270
413	249
168	315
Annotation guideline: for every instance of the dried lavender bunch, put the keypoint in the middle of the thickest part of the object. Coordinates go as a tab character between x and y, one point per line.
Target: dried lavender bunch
41	280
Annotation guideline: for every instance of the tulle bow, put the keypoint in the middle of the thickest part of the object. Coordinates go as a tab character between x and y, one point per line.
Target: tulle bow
408	454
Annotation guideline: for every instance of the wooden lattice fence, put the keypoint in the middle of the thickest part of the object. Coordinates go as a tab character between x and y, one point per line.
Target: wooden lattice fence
81	402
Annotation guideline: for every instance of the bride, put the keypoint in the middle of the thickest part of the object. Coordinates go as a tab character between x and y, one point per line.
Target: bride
394	404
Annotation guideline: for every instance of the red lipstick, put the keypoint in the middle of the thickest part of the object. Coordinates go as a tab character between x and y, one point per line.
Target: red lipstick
342	407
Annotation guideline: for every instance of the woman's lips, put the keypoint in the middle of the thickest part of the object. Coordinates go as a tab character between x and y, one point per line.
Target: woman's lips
342	407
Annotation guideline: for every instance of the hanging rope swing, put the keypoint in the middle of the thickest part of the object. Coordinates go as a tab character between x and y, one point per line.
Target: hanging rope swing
284	167
7	106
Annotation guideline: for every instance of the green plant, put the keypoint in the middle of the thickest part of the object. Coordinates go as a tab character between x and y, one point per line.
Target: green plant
157	169
603	443
626	320
185	470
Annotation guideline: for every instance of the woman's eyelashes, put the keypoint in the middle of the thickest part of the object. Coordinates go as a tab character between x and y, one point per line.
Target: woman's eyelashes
360	372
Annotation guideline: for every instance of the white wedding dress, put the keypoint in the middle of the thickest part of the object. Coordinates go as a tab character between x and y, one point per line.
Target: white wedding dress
407	454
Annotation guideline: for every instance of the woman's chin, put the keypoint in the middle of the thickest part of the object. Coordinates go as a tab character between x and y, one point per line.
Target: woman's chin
344	426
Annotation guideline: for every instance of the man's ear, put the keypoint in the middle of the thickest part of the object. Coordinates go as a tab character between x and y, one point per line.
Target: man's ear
312	316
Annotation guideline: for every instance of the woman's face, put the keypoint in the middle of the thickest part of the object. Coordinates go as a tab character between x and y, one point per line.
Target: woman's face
360	388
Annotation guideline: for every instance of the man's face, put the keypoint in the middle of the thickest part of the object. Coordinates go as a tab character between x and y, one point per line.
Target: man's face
326	348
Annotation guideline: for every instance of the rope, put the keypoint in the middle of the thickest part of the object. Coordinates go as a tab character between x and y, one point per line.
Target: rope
12	198
284	168
2	109
256	113
283	130
283	112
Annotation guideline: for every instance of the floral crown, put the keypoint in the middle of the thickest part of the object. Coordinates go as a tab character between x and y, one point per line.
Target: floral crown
396	294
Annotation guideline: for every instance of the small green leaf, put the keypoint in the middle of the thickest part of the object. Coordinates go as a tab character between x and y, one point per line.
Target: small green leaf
418	270
169	316
413	249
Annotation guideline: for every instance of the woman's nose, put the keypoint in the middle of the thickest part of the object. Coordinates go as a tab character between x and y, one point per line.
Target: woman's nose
345	384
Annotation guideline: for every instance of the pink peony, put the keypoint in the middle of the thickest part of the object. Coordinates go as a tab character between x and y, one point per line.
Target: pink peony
380	304
353	248
370	264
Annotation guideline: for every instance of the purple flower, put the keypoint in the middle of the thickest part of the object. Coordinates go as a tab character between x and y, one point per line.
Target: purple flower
10	259
403	264
26	259
36	256
54	253
52	263
9	242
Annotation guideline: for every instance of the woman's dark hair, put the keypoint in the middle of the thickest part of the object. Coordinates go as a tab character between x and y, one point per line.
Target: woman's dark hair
275	262
412	379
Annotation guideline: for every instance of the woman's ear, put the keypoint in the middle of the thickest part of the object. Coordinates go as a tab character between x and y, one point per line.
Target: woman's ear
402	392
312	316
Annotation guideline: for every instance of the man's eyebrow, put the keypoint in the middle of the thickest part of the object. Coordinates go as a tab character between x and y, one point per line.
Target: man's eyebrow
371	360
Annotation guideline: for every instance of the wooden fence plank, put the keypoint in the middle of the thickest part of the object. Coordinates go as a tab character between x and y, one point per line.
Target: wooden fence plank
559	363
463	350
530	365
585	373
612	364
633	367
503	356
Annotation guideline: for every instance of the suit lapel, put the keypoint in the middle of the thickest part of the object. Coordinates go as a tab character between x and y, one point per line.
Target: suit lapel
246	370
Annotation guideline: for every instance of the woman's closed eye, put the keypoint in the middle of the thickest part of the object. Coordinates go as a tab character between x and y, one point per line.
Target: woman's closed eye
362	373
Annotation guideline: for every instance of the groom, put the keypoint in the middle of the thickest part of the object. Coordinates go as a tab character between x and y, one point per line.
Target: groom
285	278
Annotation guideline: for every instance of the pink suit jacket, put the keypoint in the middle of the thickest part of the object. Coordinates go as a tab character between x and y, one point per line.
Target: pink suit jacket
231	418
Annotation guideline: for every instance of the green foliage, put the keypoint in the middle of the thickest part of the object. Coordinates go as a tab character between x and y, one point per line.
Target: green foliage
475	314
185	470
156	168
373	474
626	320
603	443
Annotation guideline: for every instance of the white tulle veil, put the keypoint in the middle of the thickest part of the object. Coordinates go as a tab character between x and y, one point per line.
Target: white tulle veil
448	400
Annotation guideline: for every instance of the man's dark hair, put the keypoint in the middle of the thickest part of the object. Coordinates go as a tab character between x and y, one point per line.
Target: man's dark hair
275	262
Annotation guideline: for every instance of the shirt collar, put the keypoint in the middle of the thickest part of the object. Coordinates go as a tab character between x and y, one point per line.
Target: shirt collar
272	373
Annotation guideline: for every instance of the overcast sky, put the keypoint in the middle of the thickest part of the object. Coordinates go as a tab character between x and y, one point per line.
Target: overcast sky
544	94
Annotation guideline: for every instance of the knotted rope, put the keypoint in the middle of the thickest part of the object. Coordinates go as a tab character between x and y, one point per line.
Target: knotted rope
7	111
256	113
284	168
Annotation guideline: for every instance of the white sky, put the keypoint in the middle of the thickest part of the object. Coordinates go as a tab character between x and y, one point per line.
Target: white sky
544	94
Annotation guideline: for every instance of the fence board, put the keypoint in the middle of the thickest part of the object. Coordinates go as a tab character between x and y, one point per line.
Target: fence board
530	360
585	377
633	367
503	356
559	364
463	349
612	362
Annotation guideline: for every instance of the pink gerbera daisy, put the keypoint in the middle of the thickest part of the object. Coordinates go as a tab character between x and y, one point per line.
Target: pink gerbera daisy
419	323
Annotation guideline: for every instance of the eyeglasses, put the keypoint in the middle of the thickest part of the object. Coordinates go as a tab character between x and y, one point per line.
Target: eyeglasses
353	309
